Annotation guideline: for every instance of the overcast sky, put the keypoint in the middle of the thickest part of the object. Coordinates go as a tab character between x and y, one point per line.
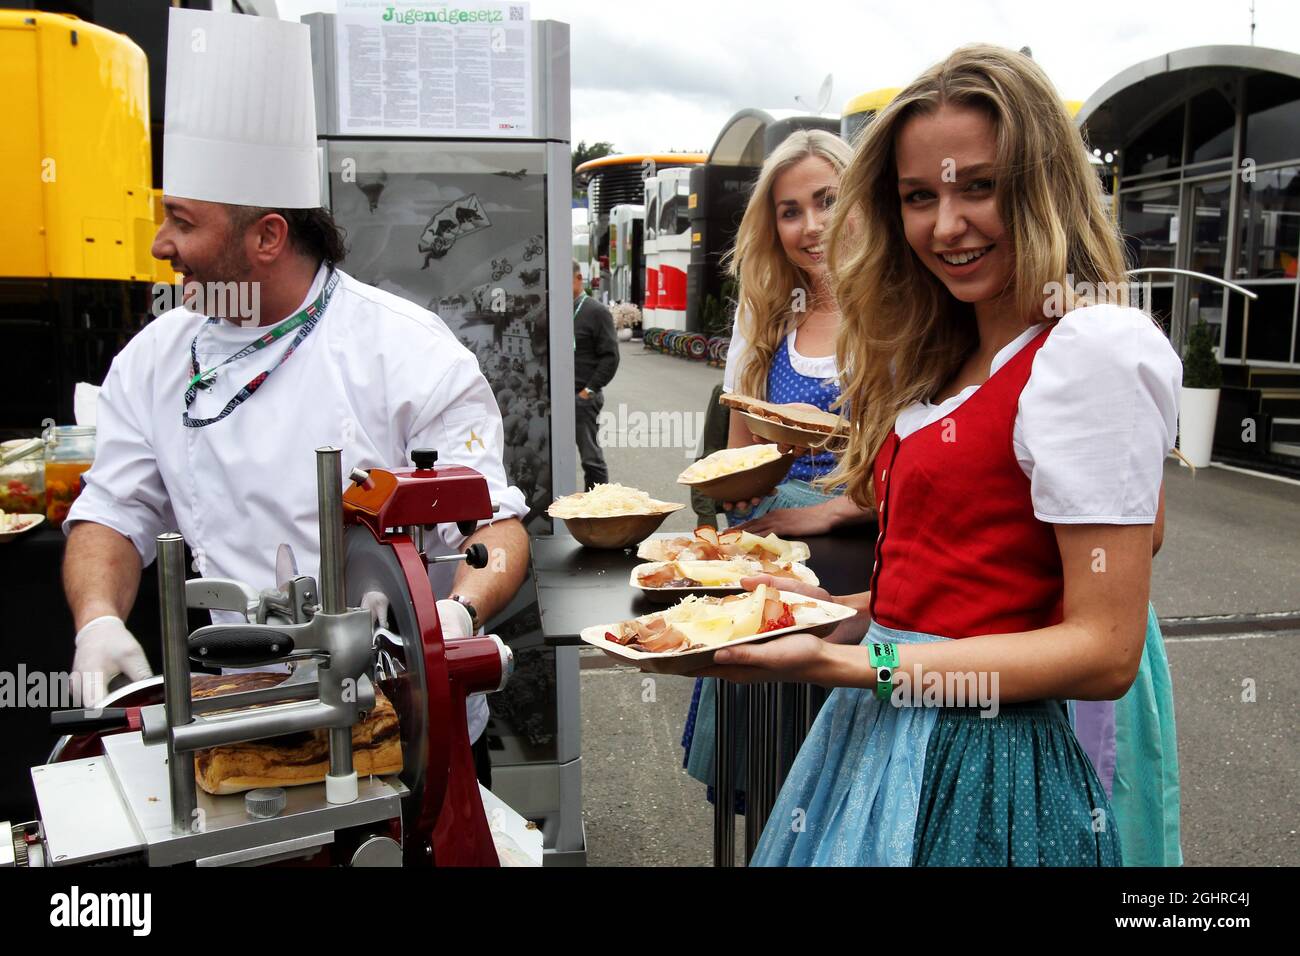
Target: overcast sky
650	76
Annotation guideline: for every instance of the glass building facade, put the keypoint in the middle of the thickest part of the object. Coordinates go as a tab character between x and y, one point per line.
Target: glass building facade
1204	146
1203	154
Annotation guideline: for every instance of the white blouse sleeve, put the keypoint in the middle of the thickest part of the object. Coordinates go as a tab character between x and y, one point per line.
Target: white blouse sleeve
1098	417
735	354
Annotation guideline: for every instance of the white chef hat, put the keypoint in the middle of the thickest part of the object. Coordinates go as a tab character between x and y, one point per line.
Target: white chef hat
241	118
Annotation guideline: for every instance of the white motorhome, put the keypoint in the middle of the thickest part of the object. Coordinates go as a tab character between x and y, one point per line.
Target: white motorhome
626	238
672	246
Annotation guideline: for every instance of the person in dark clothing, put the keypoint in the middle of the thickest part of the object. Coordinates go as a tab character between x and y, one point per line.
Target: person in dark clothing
595	360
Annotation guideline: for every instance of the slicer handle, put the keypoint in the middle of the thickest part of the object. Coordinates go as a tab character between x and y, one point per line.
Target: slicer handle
476	555
240	645
85	720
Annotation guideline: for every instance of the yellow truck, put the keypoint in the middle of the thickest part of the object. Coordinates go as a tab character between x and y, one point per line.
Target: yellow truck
79	210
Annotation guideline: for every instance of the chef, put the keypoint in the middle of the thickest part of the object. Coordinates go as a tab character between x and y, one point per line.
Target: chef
209	418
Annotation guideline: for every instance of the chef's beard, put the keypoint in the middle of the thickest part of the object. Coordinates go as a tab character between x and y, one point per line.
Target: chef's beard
226	289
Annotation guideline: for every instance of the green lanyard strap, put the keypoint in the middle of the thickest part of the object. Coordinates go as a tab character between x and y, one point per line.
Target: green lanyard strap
304	321
576	309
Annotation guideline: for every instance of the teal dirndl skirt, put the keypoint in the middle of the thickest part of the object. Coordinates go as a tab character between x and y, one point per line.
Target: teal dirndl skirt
881	785
1133	745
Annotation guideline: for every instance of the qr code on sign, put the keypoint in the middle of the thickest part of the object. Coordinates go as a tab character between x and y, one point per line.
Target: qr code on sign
516	13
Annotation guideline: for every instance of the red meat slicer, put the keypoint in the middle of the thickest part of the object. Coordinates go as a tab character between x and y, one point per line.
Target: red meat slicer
372	543
386	514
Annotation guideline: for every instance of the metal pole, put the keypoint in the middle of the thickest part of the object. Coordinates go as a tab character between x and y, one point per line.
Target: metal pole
329	491
770	745
753	765
340	751
176	675
1245	328
813	706
1203	277
329	494
724	776
789	716
763	761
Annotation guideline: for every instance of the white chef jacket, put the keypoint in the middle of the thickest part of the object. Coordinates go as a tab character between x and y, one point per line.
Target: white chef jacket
376	377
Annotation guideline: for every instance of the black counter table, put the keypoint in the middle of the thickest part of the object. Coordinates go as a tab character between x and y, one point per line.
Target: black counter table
578	587
36	638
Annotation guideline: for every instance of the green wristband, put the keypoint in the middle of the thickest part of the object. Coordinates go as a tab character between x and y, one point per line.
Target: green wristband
884	658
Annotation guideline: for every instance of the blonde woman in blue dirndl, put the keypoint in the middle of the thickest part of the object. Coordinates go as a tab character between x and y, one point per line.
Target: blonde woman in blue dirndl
782	350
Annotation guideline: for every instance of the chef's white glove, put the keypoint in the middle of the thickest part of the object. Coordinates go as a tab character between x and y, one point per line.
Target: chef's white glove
456	625
454	616
455	620
105	648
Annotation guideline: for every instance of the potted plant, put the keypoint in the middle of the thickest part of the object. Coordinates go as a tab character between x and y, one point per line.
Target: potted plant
1199	404
626	317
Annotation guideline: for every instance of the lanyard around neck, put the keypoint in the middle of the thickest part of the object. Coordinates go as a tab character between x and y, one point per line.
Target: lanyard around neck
304	322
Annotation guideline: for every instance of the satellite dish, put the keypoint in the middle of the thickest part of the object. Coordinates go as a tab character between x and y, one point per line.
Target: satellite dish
823	97
824	94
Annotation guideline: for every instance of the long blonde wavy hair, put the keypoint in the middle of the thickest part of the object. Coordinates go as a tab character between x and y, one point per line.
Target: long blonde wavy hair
902	335
765	275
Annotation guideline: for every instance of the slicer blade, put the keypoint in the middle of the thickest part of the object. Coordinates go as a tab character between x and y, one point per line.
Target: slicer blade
400	672
286	566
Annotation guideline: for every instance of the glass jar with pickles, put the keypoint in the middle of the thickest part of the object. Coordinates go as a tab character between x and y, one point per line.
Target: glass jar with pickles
69	451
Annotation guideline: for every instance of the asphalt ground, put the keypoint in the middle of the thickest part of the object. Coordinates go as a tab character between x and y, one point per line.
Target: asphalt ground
1231	544
1230	549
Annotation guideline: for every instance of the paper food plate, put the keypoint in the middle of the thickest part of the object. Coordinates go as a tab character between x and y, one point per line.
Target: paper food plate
740	483
784	433
798	414
25	523
819	620
673	595
616	532
657	549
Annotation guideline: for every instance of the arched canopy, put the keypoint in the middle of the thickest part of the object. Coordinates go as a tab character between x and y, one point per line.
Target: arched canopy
1132	99
751	134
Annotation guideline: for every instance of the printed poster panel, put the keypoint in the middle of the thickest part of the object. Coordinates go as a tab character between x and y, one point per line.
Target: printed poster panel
427	68
467	243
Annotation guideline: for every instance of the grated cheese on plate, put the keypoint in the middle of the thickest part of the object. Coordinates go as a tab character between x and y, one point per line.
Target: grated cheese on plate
605	501
729	461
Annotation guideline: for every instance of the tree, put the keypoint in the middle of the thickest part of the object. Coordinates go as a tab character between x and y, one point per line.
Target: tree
581	153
